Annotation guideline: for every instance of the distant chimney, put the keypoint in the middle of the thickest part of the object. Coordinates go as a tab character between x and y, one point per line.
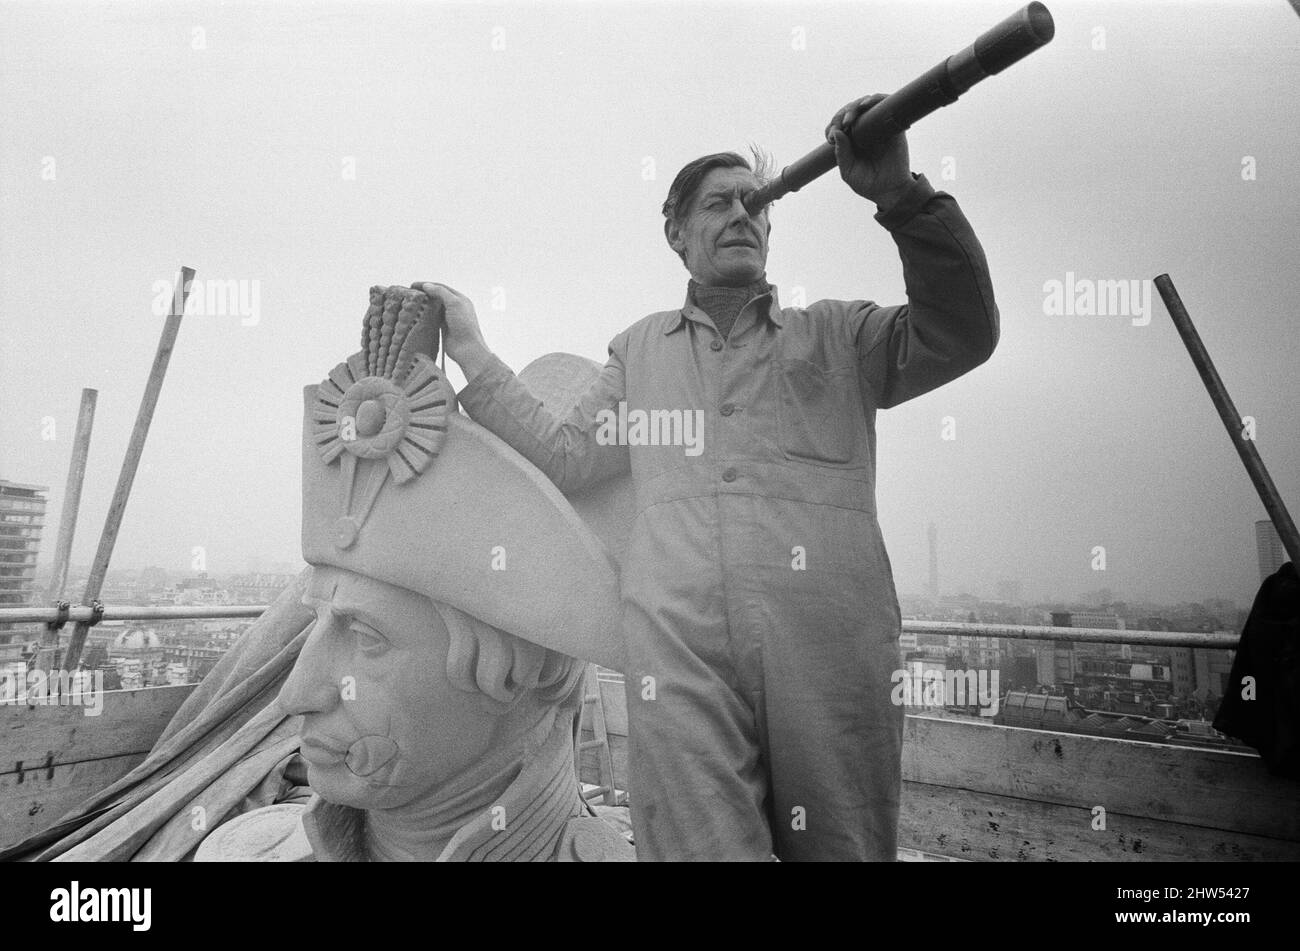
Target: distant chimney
934	561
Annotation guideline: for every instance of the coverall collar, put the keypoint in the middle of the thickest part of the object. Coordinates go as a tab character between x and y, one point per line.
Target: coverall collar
690	311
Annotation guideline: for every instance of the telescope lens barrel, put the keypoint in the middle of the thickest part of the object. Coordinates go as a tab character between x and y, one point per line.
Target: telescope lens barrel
1010	41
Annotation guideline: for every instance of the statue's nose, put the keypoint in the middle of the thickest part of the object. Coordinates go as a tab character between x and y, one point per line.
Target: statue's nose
311	687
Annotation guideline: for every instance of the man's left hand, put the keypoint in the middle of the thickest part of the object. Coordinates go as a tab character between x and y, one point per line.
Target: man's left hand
881	175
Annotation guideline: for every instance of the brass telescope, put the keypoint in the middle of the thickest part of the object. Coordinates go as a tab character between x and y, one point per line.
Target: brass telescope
1010	41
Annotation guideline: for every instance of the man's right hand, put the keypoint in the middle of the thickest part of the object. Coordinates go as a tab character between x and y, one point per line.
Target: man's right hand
463	338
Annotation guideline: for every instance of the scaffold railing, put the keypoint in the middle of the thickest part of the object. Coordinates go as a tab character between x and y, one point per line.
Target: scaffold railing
1219	640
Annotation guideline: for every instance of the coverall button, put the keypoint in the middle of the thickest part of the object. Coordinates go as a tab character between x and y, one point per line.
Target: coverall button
716	345
729	475
727	409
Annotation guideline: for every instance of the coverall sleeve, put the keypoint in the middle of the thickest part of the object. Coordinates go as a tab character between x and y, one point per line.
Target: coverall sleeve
949	324
564	448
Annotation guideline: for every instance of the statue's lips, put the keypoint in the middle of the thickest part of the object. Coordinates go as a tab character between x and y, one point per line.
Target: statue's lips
363	757
318	753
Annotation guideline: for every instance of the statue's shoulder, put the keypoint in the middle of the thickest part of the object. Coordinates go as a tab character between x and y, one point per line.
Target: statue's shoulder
588	839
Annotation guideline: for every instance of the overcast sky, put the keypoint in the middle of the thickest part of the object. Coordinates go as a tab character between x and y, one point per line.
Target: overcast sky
520	154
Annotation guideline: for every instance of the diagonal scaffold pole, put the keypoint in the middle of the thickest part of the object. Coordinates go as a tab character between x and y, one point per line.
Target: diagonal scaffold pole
1268	493
134	450
68	522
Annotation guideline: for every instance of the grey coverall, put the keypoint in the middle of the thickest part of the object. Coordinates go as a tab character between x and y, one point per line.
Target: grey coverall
759	607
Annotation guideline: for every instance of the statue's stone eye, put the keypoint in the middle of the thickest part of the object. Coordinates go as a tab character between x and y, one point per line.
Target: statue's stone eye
369	640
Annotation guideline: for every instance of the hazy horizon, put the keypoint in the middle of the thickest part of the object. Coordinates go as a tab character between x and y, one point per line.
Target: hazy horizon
1090	599
520	154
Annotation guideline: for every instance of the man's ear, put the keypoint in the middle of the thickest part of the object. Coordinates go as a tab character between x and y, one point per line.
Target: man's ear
673	232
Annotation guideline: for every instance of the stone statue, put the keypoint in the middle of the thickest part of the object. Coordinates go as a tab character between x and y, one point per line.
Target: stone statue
457	596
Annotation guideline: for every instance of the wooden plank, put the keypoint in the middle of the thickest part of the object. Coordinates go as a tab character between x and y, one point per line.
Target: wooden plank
589	766
68	520
983	827
130	723
615	702
1245	446
958	823
1210	788
37	798
1163	802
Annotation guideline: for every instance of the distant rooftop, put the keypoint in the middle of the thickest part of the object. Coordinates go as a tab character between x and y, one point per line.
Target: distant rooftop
6	484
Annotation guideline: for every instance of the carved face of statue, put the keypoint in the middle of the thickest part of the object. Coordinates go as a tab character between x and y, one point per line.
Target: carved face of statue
383	723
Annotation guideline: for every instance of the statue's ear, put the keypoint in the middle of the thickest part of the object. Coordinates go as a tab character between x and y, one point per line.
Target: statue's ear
484	660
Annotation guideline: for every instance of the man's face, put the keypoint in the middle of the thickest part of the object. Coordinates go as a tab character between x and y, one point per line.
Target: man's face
382	724
723	245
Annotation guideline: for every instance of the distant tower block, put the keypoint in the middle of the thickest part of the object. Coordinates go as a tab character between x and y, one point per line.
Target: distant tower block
934	561
22	516
1269	546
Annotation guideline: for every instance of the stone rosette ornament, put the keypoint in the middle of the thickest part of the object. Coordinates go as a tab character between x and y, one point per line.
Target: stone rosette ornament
389	403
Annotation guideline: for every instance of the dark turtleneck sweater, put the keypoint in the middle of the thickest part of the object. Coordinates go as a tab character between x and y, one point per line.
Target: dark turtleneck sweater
724	304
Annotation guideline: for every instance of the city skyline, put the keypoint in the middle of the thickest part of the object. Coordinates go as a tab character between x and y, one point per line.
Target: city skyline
1093	599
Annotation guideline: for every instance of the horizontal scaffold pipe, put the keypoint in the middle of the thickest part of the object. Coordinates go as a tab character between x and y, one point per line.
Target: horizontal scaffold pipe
135	612
1224	640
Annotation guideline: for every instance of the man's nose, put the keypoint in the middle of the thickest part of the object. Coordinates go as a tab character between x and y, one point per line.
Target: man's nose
311	687
739	218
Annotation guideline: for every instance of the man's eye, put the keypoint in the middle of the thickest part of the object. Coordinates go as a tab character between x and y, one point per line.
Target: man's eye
368	639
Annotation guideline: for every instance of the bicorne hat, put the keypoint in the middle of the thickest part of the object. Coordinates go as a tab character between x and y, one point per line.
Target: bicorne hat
400	486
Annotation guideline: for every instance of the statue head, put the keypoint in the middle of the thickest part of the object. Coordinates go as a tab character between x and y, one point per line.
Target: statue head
402	694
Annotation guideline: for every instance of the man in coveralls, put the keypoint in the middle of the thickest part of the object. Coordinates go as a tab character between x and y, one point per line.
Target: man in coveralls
759	609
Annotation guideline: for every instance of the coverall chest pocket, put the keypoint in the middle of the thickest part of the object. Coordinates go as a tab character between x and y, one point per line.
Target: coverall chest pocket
819	415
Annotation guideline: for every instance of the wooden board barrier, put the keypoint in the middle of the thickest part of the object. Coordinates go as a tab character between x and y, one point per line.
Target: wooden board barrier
53	758
976	790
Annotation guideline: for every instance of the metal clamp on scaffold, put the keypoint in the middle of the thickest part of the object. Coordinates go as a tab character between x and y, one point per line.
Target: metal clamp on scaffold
65	611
